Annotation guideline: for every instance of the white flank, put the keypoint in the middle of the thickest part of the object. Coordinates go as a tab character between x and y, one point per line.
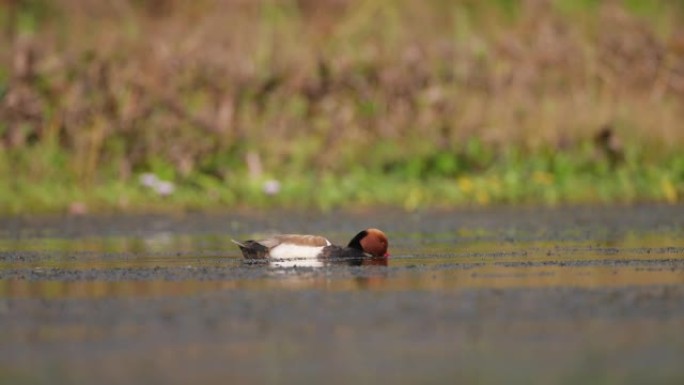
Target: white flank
288	251
288	255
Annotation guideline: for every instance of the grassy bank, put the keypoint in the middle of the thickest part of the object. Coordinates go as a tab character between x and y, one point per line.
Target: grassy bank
158	104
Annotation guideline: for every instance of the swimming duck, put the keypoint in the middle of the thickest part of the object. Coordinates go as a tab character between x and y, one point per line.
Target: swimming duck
369	243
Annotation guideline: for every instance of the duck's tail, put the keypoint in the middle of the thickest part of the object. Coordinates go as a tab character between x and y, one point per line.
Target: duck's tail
238	243
252	249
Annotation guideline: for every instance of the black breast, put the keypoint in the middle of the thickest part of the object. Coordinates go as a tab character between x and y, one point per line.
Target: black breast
343	255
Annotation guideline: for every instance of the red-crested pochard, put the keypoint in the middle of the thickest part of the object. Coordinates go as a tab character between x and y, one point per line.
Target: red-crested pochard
369	243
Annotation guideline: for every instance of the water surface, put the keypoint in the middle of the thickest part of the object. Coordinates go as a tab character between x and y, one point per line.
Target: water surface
517	295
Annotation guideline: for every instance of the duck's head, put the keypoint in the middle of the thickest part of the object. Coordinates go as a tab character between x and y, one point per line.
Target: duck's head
371	241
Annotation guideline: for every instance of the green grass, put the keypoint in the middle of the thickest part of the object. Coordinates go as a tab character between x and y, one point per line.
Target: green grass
345	104
436	180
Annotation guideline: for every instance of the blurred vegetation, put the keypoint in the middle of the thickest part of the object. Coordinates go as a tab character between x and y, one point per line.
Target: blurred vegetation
326	103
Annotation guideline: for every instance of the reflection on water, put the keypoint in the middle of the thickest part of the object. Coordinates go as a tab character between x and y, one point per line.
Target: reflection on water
102	289
151	243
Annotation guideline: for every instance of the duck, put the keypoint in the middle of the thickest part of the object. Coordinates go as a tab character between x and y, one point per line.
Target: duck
368	243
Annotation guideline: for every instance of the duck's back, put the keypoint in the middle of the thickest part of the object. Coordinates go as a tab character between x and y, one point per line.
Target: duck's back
284	246
296	239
